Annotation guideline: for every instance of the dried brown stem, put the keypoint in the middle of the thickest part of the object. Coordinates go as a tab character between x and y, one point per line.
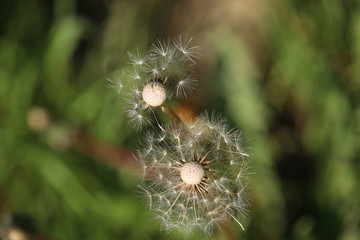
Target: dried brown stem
171	114
227	232
105	152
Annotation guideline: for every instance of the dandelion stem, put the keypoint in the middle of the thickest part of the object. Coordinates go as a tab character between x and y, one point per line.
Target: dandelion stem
227	232
157	122
171	114
105	152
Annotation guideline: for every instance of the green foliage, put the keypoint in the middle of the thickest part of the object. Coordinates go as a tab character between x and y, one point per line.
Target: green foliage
298	102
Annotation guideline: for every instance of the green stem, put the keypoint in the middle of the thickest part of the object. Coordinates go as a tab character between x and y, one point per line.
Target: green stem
171	114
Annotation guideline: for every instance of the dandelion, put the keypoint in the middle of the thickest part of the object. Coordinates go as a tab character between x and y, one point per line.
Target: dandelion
161	74
195	174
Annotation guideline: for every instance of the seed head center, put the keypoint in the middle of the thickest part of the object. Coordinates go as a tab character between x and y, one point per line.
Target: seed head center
192	173
154	94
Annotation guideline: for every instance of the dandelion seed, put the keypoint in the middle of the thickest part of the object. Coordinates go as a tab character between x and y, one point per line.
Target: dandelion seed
185	86
154	94
185	46
114	80
162	49
136	58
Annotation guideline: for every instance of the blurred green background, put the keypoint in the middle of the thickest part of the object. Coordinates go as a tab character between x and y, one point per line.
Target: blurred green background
286	73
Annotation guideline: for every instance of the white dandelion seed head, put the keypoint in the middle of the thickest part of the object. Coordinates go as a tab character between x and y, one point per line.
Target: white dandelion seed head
192	173
167	65
154	94
165	71
201	180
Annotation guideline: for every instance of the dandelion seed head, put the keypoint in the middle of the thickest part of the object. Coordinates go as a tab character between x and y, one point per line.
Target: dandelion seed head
202	175
192	173
168	63
154	94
